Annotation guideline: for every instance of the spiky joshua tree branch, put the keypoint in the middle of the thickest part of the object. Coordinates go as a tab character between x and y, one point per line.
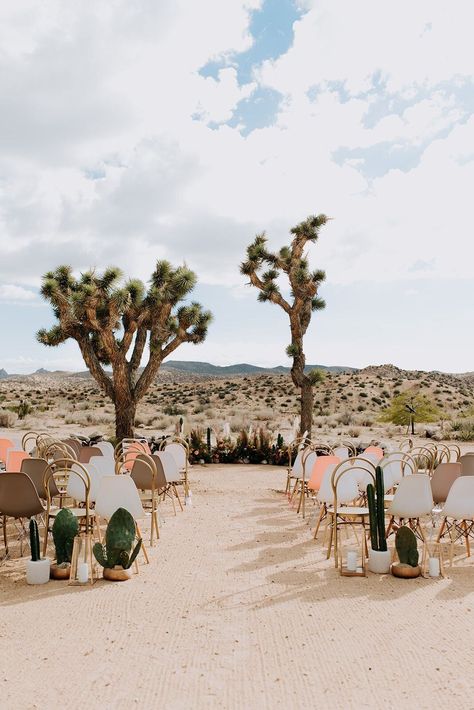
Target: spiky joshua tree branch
265	269
113	322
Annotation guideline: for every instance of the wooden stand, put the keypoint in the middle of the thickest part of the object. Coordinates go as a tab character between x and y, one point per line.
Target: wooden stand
82	552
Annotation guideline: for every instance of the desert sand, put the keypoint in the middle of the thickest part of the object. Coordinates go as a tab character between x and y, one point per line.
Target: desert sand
238	609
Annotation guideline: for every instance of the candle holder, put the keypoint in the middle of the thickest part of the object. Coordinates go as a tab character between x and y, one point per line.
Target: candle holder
432	550
82	554
349	567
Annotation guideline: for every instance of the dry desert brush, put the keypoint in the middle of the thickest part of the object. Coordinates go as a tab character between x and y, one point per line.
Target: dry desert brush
264	269
118	323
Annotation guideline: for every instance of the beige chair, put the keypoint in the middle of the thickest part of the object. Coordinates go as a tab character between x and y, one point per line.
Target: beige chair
147	479
35	469
167	466
467	465
87	452
443	478
18	499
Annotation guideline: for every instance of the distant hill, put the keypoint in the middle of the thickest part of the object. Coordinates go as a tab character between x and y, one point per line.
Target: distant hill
3	374
206	368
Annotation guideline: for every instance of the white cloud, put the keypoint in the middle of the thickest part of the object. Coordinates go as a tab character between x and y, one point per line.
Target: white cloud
13	293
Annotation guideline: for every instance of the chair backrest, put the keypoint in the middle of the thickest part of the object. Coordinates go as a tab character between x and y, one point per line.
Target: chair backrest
118	492
413	497
342	452
373	453
364	467
308	461
72	479
105	465
395	466
14	459
35	469
319	468
18	496
297	468
5	444
106	448
170	467
178	452
348	478
442	479
326	493
467	464
144	473
75	445
87	452
460	501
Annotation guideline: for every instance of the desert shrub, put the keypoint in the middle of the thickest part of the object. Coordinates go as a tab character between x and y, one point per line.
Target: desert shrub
345	418
7	419
354	433
174	410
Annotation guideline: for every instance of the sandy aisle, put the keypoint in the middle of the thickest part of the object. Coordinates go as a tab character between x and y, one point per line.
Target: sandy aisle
239	609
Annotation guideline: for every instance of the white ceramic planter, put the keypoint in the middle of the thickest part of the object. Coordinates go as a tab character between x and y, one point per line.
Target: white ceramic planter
38	572
379	561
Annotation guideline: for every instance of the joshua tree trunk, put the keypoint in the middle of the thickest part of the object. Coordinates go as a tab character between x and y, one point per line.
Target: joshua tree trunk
304	384
124	419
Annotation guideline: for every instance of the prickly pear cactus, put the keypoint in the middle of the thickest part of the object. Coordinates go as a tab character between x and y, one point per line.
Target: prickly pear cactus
405	542
65	529
119	540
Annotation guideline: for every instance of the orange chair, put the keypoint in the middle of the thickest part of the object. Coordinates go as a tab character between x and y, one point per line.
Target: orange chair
5	444
14	459
375	450
319	467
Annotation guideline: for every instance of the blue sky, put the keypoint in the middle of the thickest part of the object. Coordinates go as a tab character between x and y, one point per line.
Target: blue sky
144	133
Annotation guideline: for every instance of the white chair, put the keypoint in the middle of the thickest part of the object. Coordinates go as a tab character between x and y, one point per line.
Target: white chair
75	486
106	448
171	473
346	483
103	465
458	513
342	452
120	492
413	500
348	490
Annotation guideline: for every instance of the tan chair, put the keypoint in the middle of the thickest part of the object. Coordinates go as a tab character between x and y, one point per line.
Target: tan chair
35	469
75	445
60	472
18	499
167	468
443	478
467	465
87	452
146	477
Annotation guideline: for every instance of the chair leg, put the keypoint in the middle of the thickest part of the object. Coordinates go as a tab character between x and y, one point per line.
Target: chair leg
177	496
145	553
46	531
441	530
331	532
466	535
390	525
322	513
5	534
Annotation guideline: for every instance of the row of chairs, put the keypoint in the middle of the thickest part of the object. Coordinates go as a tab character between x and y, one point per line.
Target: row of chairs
91	488
338	483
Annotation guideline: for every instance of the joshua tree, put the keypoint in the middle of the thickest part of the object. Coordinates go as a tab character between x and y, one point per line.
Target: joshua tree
304	284
113	321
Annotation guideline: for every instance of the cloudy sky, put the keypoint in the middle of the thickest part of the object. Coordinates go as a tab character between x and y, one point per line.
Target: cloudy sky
131	131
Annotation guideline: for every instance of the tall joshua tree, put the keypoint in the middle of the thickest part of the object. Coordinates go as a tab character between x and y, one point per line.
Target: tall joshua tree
264	269
113	322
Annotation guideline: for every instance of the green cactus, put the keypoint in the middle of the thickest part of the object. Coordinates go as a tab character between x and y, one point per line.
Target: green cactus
375	502
405	542
65	529
34	541
119	539
280	441
209	439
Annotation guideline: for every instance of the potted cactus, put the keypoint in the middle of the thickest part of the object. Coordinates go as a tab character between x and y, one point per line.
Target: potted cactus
116	556
37	569
65	529
379	555
405	542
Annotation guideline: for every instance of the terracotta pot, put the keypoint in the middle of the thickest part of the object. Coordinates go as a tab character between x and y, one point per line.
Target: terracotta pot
405	571
60	572
117	574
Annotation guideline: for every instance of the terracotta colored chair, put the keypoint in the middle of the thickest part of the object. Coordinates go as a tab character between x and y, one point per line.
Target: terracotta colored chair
5	444
375	450
319	467
15	459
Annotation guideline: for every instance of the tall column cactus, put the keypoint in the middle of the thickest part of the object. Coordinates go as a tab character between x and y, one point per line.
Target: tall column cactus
375	501
34	541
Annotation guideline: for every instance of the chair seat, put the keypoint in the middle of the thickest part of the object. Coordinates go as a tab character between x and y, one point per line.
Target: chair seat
388	498
77	512
348	510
